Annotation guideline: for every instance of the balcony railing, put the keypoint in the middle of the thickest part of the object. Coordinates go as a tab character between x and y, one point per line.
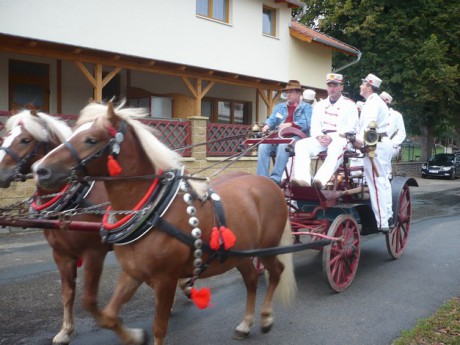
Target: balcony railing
224	147
175	134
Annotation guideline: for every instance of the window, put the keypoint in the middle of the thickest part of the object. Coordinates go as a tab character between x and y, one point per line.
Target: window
28	85
226	111
269	21
215	9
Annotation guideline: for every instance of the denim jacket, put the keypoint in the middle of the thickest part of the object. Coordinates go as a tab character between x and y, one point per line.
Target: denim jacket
302	116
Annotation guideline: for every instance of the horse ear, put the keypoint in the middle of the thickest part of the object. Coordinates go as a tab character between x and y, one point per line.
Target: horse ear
111	116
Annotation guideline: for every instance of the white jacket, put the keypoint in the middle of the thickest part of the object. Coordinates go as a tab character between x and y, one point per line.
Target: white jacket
342	117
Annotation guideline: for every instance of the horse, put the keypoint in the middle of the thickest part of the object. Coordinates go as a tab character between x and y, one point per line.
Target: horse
30	136
178	239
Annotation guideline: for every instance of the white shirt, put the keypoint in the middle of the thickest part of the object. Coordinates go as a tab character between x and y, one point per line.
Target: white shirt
396	125
374	109
341	117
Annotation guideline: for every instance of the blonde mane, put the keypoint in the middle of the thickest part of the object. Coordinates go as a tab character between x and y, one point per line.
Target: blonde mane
159	154
40	126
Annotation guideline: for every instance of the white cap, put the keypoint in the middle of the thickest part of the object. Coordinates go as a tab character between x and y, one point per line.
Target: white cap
309	95
373	80
386	97
334	78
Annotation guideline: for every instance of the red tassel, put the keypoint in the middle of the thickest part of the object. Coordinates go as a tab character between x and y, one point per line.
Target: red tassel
113	166
79	262
201	297
228	237
214	242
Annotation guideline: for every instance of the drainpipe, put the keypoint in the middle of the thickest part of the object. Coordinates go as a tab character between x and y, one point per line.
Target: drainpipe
351	63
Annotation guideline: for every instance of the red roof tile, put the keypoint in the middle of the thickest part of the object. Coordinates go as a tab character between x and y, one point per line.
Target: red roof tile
309	35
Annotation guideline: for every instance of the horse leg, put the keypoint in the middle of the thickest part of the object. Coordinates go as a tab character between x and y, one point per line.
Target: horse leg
94	262
250	278
68	272
165	289
108	318
274	269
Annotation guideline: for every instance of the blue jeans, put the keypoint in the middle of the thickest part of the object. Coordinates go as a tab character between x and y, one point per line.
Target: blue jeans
264	158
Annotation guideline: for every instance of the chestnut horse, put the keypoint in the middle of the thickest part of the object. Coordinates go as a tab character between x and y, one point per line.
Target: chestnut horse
30	136
253	207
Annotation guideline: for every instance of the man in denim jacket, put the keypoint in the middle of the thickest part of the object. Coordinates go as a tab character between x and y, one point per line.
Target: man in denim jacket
292	113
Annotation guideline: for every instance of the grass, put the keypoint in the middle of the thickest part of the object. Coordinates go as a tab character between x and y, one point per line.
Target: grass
443	328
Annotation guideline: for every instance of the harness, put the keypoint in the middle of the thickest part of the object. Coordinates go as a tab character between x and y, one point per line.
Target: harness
70	197
22	161
162	192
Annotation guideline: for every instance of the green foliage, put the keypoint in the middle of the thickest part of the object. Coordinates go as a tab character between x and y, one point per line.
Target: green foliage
412	45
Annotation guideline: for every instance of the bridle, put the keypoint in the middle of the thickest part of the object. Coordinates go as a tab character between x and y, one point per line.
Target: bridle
113	145
22	161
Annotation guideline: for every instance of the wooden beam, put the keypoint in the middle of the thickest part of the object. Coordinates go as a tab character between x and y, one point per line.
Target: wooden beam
190	87
86	73
99	86
110	76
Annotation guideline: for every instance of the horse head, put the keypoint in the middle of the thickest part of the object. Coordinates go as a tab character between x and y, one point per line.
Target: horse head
30	136
106	137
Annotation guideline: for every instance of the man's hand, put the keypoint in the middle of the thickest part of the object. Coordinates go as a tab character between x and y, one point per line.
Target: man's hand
285	125
265	128
358	144
324	140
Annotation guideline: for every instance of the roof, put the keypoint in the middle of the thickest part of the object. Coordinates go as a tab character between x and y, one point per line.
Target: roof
309	35
292	3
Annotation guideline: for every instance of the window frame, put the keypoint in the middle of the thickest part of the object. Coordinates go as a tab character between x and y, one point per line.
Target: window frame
273	26
33	80
209	15
214	116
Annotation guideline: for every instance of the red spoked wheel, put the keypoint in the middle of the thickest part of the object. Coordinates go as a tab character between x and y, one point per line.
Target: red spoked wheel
341	258
397	238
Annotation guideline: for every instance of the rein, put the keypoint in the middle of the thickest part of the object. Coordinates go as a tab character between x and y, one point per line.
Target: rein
22	161
113	144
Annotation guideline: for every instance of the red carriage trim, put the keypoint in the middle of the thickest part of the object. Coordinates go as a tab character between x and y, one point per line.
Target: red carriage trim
140	204
50	202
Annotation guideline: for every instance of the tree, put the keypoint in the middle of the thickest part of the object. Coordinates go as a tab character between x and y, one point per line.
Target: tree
412	45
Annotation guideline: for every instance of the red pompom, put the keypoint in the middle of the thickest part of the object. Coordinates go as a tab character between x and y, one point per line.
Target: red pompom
80	262
113	166
228	237
201	297
214	242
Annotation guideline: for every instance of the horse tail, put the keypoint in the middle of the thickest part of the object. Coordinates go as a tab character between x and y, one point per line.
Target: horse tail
287	287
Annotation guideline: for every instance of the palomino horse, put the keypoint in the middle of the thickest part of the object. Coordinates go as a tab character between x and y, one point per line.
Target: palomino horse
173	241
30	136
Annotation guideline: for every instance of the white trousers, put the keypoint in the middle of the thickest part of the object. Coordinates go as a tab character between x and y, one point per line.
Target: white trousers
378	183
307	148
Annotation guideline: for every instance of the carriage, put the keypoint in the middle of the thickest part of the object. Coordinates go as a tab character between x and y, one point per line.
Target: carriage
333	219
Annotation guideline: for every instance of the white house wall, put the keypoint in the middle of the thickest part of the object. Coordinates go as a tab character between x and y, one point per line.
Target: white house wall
310	63
159	30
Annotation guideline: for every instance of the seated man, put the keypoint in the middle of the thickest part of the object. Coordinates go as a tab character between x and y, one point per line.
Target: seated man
292	113
331	119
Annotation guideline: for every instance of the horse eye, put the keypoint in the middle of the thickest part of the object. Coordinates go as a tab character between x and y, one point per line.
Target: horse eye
91	141
25	140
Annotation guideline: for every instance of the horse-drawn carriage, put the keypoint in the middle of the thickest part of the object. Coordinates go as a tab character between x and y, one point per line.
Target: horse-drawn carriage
201	230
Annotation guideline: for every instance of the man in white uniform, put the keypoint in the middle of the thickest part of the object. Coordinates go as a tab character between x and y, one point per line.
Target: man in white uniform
331	119
375	169
396	129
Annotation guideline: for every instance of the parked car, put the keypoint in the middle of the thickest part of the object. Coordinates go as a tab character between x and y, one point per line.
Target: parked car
442	165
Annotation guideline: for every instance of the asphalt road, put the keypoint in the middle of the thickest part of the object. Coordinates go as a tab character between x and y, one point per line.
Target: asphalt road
387	296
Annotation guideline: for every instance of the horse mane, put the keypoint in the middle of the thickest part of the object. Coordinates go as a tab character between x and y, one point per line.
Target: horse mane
158	153
41	126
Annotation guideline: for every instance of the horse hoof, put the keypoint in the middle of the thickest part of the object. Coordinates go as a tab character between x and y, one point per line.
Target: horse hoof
266	329
239	335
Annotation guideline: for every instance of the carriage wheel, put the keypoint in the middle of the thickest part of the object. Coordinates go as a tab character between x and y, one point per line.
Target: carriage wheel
340	259
397	238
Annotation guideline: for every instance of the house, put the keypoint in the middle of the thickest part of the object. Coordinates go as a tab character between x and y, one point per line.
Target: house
217	63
